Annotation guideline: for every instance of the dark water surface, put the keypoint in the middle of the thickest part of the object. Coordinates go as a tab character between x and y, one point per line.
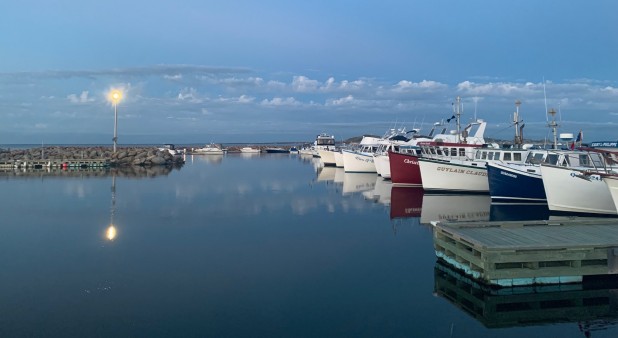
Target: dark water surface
259	246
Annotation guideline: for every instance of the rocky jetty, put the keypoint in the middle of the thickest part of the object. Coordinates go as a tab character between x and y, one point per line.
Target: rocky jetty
124	156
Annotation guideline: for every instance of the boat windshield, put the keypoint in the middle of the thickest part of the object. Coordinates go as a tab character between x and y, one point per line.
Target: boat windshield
535	158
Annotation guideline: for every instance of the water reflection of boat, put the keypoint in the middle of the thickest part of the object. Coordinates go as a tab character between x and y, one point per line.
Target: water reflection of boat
406	202
247	155
465	208
381	192
358	182
339	174
326	174
592	304
518	212
212	159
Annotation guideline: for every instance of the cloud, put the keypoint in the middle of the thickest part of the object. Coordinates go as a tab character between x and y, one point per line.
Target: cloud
190	95
304	84
342	101
278	101
495	89
175	77
155	70
405	85
242	82
246	99
82	98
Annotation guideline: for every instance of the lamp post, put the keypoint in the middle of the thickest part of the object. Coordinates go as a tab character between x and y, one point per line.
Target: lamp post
115	96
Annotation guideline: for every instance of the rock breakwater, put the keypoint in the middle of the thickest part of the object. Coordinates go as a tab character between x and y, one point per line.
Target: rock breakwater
124	156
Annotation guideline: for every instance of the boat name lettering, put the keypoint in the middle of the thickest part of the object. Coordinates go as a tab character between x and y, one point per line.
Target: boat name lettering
464	215
407	161
412	210
462	171
368	160
508	174
587	177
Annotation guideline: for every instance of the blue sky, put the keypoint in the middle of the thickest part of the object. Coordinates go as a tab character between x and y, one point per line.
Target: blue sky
259	71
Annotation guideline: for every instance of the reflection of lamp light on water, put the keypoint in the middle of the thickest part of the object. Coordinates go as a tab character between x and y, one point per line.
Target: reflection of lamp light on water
111	232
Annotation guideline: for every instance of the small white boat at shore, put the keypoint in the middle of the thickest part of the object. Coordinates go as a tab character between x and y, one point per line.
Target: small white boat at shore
209	149
249	150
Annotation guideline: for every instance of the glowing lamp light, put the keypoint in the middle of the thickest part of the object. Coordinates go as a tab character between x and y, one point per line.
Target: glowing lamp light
115	96
111	233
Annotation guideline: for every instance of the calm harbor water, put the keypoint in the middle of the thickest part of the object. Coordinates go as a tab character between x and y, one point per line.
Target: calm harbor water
257	246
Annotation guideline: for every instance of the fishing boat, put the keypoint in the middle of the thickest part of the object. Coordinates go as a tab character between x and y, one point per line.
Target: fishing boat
209	149
459	144
361	159
249	150
276	150
579	189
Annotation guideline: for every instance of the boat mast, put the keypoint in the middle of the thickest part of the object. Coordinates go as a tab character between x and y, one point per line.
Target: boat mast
553	125
457	115
518	141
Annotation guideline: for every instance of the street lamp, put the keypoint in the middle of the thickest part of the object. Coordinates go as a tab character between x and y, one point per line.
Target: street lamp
115	96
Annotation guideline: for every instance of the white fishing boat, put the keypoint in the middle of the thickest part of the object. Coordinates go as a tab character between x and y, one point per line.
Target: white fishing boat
580	188
170	148
249	150
361	160
455	170
465	175
327	156
612	184
338	159
209	149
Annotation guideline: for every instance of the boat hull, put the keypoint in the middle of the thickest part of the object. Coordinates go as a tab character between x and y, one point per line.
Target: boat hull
568	190
355	162
612	185
277	151
338	159
383	166
510	184
445	176
327	157
404	170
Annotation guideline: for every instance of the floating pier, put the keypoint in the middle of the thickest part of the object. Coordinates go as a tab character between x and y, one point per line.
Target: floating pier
529	252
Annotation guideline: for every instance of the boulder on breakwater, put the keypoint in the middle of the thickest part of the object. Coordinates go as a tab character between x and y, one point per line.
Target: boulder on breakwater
124	156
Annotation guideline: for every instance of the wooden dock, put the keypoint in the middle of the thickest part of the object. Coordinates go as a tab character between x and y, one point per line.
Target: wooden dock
529	252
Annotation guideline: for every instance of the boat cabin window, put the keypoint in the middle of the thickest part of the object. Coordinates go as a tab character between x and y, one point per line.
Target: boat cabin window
484	155
326	142
453	152
507	156
552	159
517	157
433	151
490	155
462	152
535	158
597	161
